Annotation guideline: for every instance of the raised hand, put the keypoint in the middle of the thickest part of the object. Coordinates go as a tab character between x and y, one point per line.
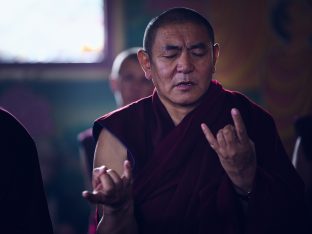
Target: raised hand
110	189
235	150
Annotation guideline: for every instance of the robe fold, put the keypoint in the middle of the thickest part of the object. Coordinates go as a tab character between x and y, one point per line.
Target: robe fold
179	184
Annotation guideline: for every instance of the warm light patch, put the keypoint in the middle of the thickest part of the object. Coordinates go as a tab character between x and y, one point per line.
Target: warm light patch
51	31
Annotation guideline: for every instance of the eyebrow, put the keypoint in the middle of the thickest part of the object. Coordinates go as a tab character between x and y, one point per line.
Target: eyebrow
172	47
199	45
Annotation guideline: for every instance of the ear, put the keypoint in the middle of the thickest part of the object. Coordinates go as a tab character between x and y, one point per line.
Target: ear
145	63
114	84
216	50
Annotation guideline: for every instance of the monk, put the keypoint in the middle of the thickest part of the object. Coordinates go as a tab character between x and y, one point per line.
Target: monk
193	157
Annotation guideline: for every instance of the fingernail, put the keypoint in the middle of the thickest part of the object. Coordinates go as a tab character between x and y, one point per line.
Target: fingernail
234	111
99	169
127	163
85	193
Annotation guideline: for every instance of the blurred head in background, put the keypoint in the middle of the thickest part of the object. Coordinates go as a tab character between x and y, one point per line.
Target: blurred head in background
127	79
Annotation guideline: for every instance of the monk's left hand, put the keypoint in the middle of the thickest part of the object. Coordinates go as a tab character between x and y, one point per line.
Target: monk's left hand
235	150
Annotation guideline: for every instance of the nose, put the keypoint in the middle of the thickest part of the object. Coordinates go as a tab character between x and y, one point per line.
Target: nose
185	63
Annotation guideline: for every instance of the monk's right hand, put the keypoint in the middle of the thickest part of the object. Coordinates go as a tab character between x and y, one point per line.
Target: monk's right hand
109	189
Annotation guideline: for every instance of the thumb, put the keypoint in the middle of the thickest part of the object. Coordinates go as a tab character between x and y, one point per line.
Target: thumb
127	174
90	196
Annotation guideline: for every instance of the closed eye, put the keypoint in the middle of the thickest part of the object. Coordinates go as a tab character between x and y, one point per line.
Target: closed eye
171	51
170	56
199	49
199	52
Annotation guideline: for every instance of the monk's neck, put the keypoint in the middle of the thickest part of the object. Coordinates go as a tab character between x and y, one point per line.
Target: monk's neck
177	113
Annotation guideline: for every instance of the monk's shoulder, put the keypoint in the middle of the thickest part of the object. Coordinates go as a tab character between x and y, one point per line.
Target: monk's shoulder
123	118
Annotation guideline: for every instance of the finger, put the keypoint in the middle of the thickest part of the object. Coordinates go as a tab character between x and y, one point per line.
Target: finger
127	174
239	125
93	197
209	136
99	170
96	175
85	194
98	187
89	196
115	177
95	182
229	134
220	139
107	183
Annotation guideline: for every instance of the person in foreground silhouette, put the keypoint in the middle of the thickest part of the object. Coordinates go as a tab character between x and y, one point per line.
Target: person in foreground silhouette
23	206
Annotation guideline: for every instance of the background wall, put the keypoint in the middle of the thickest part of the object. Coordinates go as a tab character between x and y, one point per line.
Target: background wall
265	53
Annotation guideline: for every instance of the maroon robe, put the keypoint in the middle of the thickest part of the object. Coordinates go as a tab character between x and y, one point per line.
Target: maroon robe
179	183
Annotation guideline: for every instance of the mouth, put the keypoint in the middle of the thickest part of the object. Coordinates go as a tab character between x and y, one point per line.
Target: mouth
185	85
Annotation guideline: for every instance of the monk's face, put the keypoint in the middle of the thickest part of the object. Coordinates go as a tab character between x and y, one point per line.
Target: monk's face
132	84
182	63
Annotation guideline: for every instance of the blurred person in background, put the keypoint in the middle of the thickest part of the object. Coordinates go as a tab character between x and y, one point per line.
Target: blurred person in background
128	84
